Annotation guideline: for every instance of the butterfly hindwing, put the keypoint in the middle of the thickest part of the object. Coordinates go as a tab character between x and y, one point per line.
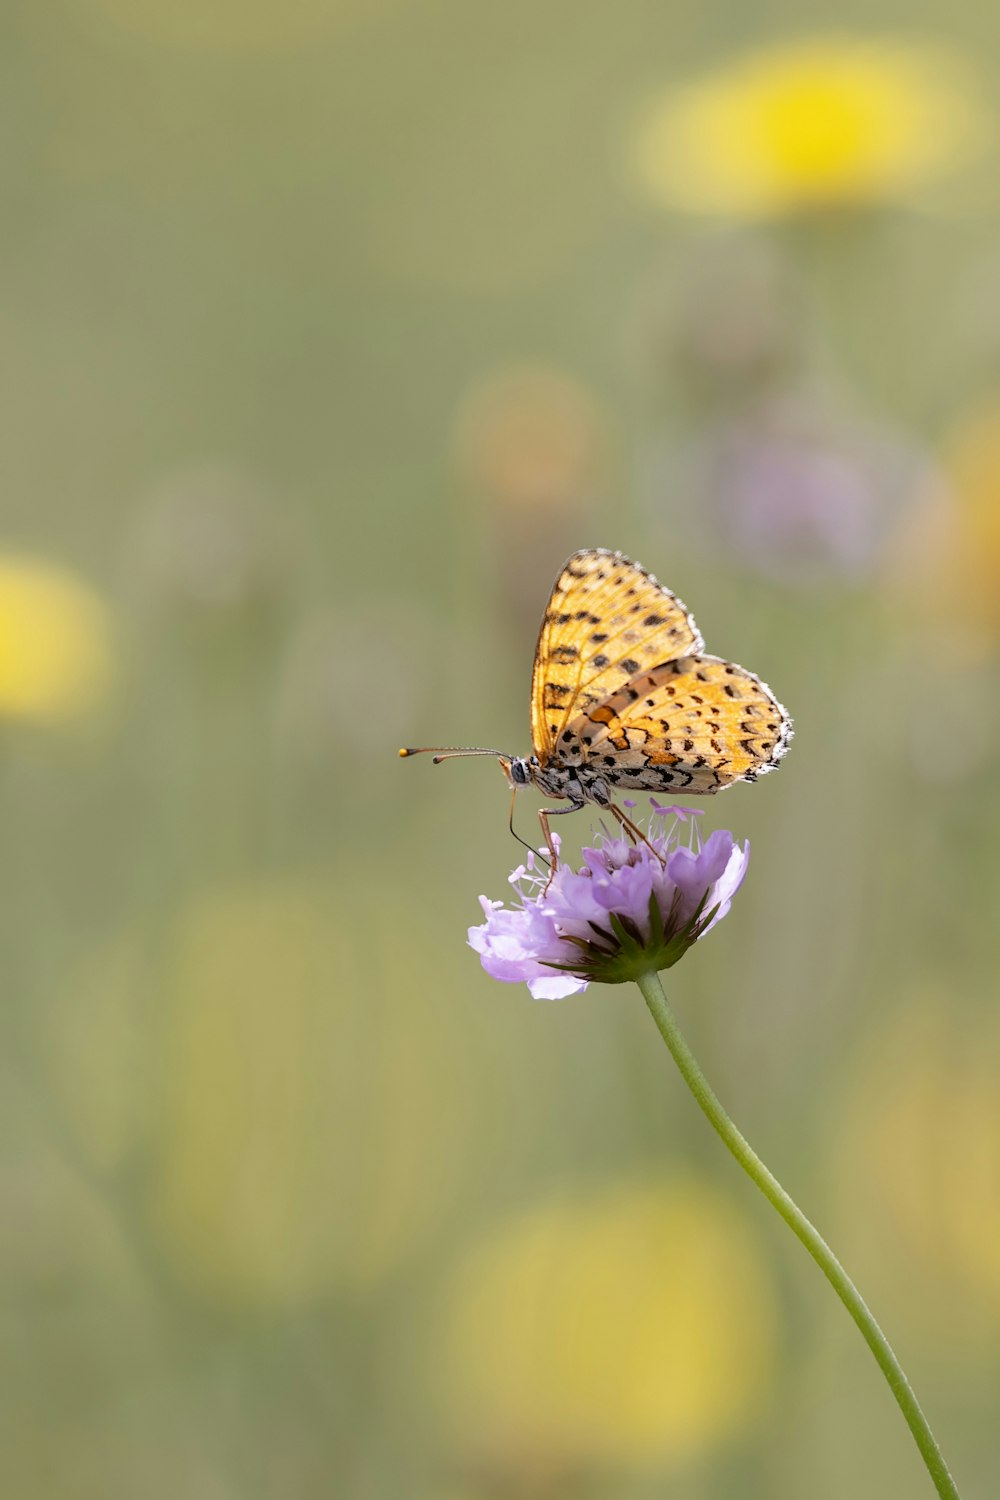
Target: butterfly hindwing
607	622
694	725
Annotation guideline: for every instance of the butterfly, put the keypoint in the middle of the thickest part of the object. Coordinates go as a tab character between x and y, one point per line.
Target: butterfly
624	696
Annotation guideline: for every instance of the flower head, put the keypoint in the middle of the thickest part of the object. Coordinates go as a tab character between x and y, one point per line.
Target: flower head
828	122
630	909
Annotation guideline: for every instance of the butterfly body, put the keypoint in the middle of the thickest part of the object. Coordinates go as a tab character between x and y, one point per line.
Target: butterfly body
579	783
623	695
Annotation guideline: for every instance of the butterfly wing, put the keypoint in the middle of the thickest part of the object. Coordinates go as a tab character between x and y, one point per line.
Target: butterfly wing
693	725
607	621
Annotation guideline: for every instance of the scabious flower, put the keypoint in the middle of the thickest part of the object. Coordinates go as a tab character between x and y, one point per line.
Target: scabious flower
821	123
799	492
630	909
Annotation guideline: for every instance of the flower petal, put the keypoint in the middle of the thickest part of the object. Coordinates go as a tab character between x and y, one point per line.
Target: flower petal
696	872
557	987
728	883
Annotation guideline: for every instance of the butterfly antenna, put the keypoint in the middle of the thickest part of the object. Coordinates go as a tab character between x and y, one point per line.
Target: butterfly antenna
450	752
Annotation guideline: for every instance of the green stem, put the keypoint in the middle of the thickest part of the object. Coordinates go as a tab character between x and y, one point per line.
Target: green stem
652	992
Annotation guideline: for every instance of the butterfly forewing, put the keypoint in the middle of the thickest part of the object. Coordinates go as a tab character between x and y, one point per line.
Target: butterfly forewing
608	622
693	725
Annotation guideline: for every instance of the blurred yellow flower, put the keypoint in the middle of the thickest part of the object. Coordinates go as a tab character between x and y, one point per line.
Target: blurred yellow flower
311	1121
529	449
529	437
923	1139
55	651
632	1325
972	458
826	122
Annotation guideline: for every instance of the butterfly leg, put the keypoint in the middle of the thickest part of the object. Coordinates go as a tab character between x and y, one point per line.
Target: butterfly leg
544	814
634	832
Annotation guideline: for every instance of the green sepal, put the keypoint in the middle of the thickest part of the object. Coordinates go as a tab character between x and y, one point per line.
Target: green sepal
633	954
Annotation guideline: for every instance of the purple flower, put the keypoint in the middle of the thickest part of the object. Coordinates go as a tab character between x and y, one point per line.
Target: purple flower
799	492
629	909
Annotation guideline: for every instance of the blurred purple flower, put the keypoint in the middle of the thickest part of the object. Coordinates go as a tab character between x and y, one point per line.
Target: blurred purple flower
629	909
799	494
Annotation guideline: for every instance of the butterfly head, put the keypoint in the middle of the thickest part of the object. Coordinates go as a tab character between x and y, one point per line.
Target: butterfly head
517	769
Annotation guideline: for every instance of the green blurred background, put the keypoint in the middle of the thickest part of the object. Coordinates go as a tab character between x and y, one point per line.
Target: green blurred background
329	328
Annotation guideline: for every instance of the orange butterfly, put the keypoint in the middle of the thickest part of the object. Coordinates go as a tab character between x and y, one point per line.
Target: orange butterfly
622	695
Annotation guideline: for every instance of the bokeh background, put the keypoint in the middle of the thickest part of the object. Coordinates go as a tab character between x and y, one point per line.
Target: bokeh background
329	328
